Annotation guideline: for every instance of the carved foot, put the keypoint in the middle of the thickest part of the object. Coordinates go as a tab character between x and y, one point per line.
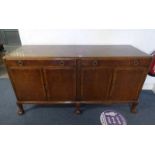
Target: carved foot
77	111
133	107
20	110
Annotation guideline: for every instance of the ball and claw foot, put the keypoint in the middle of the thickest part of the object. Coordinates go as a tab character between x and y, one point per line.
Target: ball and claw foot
77	111
133	107
20	110
134	110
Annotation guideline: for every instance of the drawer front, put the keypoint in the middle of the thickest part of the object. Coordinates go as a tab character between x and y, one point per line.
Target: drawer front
40	63
116	62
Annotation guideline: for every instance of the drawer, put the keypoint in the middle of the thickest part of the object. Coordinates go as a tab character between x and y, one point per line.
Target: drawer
116	62
40	63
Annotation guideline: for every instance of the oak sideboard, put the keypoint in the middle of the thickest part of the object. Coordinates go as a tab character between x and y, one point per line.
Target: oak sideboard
77	74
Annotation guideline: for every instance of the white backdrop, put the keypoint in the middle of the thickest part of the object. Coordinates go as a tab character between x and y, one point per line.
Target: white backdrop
143	39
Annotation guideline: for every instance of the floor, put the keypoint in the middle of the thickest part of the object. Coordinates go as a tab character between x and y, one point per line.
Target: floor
3	72
64	114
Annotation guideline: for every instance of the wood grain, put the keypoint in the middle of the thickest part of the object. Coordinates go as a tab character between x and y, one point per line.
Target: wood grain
75	74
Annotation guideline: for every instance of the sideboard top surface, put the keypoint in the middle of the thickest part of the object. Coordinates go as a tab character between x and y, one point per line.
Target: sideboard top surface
75	51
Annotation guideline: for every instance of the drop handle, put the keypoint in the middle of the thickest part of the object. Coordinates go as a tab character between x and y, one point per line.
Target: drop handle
62	62
136	62
95	63
20	63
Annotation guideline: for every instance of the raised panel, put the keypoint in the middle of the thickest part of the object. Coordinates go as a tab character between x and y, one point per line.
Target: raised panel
28	84
95	83
127	83
60	83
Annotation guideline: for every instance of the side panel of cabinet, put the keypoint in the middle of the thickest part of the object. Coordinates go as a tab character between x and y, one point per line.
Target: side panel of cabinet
28	83
127	83
95	83
60	83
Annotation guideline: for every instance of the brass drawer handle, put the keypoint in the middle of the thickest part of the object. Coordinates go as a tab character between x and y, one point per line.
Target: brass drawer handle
20	63
95	63
62	62
136	62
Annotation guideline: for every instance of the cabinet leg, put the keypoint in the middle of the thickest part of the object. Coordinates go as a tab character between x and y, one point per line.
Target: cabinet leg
133	107
77	111
20	110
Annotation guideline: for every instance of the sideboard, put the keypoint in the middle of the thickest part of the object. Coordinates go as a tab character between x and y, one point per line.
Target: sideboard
77	74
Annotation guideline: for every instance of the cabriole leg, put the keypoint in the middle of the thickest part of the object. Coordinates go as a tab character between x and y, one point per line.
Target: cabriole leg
133	107
77	111
20	110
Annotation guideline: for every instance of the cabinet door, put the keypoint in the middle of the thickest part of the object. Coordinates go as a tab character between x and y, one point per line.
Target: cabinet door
127	83
95	83
28	83
60	83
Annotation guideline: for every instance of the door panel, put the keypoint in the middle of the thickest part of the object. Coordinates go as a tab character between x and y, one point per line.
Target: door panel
60	83
28	83
95	83
126	84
